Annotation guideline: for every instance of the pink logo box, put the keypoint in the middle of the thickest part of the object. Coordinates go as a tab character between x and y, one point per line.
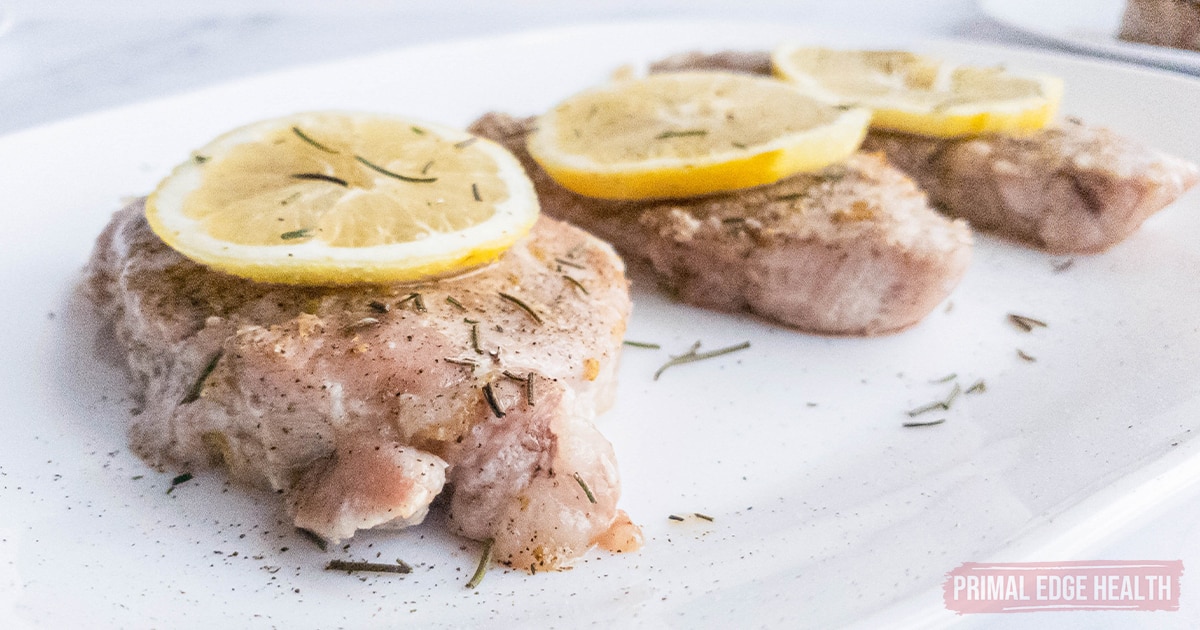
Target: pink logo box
1143	585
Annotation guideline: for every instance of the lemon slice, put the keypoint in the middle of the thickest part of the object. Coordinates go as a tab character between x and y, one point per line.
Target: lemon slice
342	198
920	94
690	133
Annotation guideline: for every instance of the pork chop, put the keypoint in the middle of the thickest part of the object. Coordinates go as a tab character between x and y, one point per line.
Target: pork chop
362	404
1073	188
1174	23
853	250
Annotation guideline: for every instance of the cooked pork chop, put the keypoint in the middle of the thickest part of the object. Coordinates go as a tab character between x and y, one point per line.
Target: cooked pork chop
362	404
1174	23
1073	188
1066	189
854	250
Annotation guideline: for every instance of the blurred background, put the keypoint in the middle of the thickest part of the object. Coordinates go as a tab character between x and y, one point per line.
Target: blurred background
60	58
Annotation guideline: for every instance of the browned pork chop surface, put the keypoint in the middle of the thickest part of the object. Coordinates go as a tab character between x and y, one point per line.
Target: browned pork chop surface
362	404
853	250
1073	188
1174	23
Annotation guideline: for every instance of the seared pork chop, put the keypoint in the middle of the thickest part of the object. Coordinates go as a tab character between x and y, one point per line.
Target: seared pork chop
1174	23
853	250
1073	188
361	404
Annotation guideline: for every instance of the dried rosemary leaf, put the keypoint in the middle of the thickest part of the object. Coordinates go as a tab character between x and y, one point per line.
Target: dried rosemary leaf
485	561
193	394
578	284
1025	323
305	137
586	490
295	234
383	171
321	177
681	134
375	567
568	263
490	395
184	478
692	356
523	306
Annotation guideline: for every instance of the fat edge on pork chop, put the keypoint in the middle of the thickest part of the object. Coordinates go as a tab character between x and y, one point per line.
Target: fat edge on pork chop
362	404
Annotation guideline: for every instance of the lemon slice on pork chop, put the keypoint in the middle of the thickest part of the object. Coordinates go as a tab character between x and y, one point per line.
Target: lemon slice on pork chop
341	198
690	133
921	94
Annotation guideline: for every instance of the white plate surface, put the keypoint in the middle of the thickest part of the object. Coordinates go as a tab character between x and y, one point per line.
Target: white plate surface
826	510
1089	26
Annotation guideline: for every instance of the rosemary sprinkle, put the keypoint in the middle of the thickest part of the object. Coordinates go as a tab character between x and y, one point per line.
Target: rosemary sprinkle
586	490
321	177
642	344
193	393
527	380
578	284
490	395
184	478
455	303
485	561
475	339
943	405
523	306
416	299
927	423
568	263
1025	323
466	362
377	567
692	356
303	136
383	171
295	234
681	134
